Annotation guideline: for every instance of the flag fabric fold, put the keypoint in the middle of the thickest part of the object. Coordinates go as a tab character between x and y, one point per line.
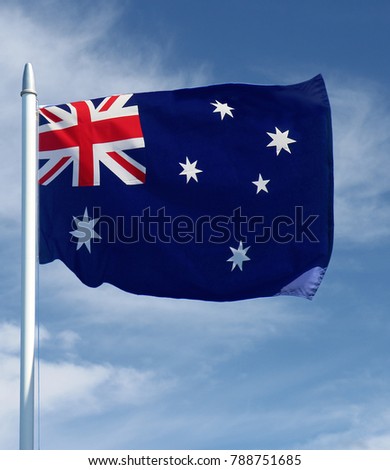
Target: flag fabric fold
217	193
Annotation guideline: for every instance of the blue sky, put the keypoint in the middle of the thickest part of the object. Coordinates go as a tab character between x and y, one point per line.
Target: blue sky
125	372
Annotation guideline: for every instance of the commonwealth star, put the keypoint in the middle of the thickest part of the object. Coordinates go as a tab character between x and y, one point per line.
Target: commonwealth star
84	231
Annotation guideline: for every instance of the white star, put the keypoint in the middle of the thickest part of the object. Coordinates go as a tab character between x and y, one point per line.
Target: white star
239	256
190	170
261	184
280	140
84	230
222	108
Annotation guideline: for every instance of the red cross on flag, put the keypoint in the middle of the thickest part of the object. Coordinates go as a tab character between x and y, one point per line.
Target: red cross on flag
87	134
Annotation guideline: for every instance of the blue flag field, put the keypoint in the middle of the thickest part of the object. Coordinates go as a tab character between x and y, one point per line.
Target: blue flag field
217	193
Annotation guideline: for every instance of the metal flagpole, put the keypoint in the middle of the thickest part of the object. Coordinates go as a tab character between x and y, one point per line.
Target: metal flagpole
29	257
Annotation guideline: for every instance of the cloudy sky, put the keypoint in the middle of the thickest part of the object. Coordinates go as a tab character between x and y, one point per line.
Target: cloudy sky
119	371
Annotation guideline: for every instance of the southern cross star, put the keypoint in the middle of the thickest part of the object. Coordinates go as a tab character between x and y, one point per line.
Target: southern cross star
261	184
223	109
190	170
239	256
280	140
84	230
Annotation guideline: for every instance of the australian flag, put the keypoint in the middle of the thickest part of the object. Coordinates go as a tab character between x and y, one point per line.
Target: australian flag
217	193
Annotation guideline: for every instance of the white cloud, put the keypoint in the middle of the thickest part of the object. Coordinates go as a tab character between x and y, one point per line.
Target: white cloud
361	427
67	68
68	339
380	441
231	327
9	385
9	338
361	122
70	390
349	412
9	401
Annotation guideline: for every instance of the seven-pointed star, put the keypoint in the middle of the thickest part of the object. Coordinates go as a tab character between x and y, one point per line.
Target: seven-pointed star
222	108
280	140
190	170
261	184
239	256
84	230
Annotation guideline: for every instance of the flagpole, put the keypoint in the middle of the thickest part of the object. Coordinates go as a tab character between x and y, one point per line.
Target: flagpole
29	258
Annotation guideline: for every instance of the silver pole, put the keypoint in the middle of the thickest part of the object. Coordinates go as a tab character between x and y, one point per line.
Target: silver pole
29	257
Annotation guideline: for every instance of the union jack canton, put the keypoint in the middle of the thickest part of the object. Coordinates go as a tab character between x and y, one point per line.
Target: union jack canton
87	133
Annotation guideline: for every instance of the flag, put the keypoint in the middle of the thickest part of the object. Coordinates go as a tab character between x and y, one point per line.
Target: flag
218	193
